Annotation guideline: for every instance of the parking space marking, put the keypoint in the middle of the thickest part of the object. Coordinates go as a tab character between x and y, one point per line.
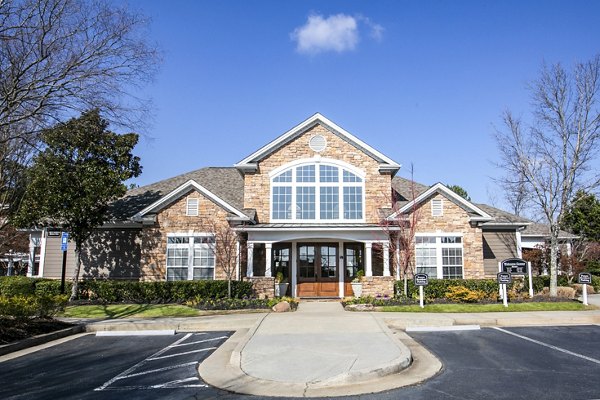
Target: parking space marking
144	361
199	341
548	345
159	370
181	354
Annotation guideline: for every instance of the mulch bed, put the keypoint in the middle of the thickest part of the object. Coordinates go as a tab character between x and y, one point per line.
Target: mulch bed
12	330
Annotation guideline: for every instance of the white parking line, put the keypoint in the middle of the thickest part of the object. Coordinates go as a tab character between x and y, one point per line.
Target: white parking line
171	383
131	369
549	345
159	370
199	341
442	328
181	354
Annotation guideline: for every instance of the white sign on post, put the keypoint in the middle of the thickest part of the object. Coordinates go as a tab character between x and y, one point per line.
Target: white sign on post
504	278
420	281
584	278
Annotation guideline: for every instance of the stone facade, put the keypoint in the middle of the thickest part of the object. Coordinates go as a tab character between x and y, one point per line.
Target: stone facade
263	288
456	220
258	185
173	219
375	286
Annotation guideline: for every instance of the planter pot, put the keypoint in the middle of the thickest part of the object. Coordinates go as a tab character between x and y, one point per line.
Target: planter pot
357	289
281	289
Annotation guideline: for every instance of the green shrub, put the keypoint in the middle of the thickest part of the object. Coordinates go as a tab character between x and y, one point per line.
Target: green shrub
51	287
17	285
461	294
159	292
239	304
22	307
438	288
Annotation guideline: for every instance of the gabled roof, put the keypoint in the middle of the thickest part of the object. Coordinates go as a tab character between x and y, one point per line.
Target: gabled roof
543	230
502	217
476	213
226	183
250	162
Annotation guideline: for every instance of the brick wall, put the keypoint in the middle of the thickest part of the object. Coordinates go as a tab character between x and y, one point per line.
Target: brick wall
455	219
377	188
173	219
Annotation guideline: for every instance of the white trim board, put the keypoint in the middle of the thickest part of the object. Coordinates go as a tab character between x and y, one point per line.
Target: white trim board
443	190
250	161
176	193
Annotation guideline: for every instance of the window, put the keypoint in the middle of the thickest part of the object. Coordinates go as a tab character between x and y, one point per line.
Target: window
192	207
439	256
319	191
190	258
437	208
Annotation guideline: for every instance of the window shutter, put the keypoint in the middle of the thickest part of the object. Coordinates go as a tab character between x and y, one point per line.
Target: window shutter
192	207
437	208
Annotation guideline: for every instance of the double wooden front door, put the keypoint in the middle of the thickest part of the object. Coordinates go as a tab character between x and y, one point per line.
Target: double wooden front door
318	270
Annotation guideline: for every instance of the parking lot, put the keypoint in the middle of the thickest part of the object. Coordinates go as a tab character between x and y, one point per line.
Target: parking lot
131	367
498	363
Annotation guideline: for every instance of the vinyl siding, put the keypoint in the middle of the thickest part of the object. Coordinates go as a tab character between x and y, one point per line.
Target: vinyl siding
53	258
498	245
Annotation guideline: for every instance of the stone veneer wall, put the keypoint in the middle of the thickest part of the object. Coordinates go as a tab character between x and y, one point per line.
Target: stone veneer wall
173	219
455	219
263	288
377	186
378	286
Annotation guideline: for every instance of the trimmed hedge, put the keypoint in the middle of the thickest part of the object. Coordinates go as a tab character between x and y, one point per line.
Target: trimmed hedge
438	288
32	306
110	291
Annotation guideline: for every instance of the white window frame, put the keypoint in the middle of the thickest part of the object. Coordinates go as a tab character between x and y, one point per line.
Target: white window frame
438	245
187	207
340	184
190	246
434	210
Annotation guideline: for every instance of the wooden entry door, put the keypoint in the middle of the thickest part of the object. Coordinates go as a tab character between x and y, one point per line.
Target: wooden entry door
318	270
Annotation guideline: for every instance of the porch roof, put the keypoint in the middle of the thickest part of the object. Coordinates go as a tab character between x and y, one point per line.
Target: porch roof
314	226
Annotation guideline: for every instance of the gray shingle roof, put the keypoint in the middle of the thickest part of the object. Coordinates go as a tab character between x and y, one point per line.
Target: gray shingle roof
404	188
225	182
501	216
536	229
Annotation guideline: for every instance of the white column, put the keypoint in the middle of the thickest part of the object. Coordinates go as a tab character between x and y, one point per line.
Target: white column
519	245
342	271
237	261
268	255
294	272
386	259
368	259
31	255
397	254
250	259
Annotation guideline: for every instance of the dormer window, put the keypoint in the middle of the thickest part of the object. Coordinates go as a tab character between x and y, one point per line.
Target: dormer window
317	191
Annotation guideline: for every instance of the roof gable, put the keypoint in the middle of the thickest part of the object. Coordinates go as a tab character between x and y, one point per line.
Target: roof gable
182	190
479	214
250	163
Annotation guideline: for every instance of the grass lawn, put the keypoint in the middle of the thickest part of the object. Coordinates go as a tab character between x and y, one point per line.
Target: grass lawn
130	311
474	308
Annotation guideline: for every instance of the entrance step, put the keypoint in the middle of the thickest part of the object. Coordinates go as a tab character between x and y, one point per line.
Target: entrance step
321	299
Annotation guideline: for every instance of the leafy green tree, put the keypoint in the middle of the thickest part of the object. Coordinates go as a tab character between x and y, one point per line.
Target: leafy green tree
582	217
73	180
459	191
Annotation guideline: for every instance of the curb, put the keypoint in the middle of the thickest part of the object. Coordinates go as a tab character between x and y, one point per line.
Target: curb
40	339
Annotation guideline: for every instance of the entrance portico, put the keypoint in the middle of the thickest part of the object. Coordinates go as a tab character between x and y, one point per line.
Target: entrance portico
317	261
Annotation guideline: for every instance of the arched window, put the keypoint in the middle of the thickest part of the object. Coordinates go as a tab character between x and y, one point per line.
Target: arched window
317	191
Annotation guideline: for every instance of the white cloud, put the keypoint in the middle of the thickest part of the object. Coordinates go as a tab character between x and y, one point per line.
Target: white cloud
337	33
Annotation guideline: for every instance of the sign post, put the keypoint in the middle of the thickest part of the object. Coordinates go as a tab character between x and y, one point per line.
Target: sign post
504	278
585	278
64	243
420	281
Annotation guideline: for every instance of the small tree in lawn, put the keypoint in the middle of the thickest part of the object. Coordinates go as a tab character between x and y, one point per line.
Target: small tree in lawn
74	179
224	247
401	230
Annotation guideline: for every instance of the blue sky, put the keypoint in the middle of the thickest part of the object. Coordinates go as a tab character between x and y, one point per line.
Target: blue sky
423	82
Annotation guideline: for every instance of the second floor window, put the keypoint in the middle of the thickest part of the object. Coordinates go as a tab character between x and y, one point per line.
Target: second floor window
317	191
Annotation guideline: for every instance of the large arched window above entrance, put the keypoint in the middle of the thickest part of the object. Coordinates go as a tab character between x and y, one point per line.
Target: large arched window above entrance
317	190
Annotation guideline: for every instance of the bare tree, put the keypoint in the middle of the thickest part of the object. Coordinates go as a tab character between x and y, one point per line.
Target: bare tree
401	230
553	154
225	248
59	58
